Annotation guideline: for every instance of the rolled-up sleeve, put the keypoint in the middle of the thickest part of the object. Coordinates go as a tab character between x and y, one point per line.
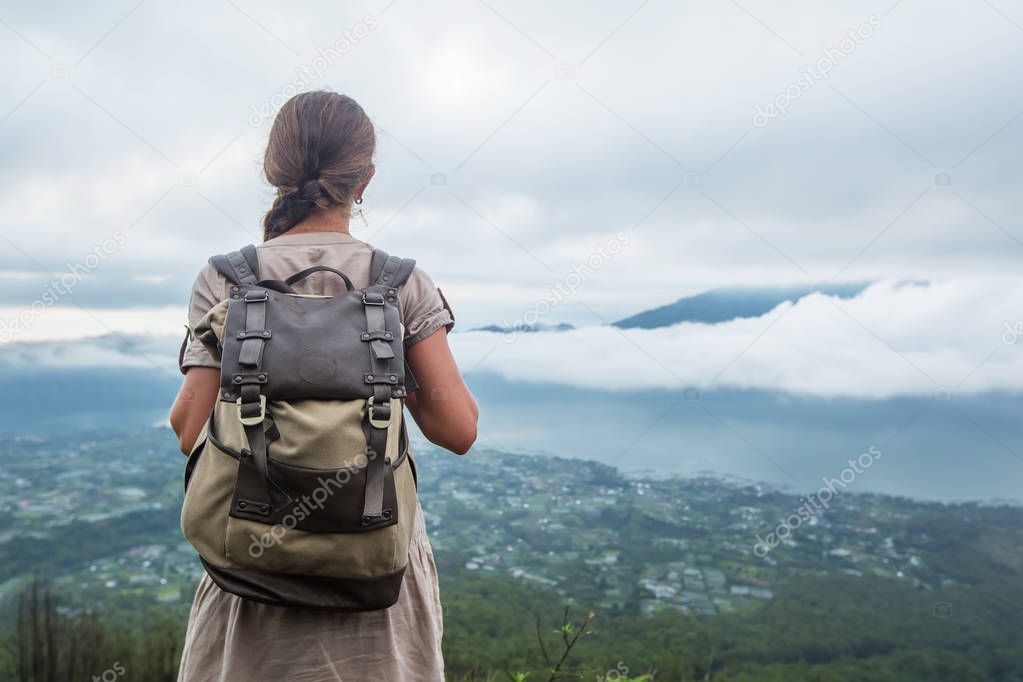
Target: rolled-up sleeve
203	298
424	308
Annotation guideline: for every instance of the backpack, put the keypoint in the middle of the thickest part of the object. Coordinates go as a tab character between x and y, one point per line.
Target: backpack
302	490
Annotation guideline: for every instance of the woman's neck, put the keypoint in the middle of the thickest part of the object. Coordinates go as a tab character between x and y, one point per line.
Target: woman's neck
333	219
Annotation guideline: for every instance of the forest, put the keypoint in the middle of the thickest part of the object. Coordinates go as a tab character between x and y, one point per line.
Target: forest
824	629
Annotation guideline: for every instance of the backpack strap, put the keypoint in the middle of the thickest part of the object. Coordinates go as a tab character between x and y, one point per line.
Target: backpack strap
393	272
389	270
241	267
238	267
386	274
251	379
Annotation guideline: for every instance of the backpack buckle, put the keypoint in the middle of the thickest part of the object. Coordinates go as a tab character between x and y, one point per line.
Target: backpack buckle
252	421
372	298
371	408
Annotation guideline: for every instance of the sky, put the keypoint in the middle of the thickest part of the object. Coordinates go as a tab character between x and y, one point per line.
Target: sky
751	143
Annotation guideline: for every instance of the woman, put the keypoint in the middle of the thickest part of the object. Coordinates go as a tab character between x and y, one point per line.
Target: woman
320	159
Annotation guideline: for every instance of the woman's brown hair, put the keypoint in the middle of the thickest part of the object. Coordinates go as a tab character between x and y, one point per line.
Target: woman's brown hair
320	152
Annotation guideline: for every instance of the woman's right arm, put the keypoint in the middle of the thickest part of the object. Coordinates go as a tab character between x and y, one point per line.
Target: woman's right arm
443	407
201	386
194	404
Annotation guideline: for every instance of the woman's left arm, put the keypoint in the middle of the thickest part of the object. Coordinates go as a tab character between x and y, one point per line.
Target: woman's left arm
194	404
443	406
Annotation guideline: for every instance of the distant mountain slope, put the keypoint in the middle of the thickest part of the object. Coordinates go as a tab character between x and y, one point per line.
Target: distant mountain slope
524	328
729	303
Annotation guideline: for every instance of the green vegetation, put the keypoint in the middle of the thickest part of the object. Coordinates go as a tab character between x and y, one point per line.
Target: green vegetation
48	643
831	628
875	588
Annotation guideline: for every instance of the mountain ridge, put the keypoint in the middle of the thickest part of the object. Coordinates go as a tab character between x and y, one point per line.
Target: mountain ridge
724	304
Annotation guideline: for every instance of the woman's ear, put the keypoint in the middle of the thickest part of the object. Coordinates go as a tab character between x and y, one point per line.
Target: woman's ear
369	176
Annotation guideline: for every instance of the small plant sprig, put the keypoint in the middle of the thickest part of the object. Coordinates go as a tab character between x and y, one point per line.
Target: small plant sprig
570	636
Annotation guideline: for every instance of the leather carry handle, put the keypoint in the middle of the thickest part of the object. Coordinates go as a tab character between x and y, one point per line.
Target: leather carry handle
299	276
275	285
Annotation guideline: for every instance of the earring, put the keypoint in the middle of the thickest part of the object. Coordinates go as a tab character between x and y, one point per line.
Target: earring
358	200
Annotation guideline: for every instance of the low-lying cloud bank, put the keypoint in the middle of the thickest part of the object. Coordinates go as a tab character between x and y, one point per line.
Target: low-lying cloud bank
961	336
893	339
114	350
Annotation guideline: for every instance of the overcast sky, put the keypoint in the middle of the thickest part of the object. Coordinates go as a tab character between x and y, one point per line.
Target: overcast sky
517	139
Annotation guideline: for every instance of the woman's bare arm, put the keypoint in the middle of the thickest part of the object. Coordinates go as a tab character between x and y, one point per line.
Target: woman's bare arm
194	403
443	407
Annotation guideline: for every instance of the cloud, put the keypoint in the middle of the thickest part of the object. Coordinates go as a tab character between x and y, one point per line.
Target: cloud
120	351
894	339
38	323
891	340
537	167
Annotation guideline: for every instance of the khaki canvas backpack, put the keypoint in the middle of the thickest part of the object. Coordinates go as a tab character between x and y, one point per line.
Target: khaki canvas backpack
302	491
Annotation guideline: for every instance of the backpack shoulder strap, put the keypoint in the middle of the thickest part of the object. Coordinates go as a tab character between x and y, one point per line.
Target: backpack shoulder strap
389	270
393	272
238	267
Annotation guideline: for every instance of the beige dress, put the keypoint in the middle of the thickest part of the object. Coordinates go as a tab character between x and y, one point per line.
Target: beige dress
231	639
